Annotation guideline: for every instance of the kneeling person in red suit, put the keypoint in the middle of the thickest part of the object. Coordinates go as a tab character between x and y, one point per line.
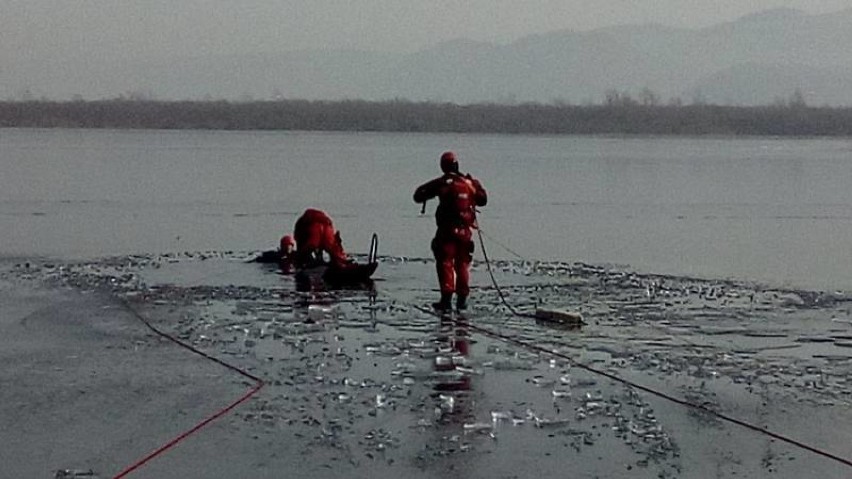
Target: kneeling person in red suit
315	234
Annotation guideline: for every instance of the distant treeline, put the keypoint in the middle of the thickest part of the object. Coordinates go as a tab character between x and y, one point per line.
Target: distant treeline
612	117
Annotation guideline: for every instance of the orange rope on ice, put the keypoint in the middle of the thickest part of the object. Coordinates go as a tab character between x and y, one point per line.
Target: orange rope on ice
168	445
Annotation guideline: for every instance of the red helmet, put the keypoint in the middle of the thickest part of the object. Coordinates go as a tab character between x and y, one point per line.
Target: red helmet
287	243
449	162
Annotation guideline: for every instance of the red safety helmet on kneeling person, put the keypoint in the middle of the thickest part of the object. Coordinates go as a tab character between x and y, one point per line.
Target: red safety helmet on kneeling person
287	243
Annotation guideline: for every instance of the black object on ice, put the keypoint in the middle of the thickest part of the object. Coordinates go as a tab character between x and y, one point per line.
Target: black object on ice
557	316
271	256
349	276
73	473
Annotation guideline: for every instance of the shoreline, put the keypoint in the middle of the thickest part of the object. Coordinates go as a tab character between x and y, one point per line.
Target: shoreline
785	120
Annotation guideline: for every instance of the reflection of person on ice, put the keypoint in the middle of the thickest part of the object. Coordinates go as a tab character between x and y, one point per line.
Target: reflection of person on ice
458	196
314	235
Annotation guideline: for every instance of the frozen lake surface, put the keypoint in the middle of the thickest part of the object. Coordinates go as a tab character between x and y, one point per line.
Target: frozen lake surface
365	383
710	270
773	210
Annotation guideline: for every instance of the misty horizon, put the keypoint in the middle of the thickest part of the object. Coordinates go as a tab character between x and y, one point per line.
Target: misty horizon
464	66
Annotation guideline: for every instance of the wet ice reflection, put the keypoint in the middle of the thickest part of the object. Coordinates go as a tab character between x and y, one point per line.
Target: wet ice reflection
370	377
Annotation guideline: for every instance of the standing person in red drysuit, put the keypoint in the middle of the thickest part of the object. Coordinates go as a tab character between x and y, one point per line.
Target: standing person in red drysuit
458	196
315	234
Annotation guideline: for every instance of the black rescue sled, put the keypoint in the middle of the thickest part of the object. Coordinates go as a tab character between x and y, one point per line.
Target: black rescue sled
348	276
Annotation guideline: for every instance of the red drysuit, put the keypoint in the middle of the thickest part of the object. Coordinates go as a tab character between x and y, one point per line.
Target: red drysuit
452	246
314	233
287	254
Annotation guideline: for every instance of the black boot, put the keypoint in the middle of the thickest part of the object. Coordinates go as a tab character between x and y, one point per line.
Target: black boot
461	303
445	304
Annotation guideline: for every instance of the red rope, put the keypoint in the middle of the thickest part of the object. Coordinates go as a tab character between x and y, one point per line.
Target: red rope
251	392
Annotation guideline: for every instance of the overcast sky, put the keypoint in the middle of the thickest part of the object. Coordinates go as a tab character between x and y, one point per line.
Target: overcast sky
42	30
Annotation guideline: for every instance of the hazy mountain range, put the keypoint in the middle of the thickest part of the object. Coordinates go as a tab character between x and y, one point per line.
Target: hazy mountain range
756	59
